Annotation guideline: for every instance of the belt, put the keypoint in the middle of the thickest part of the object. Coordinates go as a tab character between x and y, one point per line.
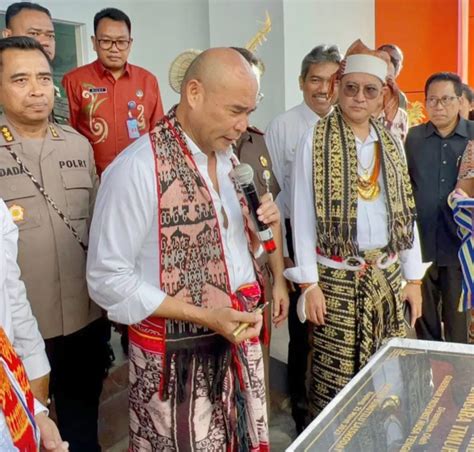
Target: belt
376	257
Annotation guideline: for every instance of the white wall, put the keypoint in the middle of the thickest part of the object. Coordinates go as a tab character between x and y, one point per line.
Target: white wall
163	28
234	23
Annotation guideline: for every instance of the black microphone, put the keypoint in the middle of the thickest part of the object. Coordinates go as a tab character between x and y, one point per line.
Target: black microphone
244	176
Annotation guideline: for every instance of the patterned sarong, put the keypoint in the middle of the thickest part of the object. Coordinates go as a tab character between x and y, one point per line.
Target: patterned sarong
364	309
17	408
463	208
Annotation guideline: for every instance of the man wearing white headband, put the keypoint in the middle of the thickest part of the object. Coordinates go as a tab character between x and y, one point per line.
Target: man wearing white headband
356	244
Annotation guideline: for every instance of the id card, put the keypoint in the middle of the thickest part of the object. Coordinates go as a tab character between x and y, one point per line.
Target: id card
132	127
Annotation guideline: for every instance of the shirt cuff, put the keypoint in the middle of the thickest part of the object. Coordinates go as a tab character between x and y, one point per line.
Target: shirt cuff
36	365
40	408
412	271
302	274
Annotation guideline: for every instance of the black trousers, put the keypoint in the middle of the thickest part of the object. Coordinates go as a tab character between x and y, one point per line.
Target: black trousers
441	291
78	366
298	351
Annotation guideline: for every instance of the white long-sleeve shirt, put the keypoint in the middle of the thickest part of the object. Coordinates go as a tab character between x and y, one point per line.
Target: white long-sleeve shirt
16	318
123	264
282	136
372	231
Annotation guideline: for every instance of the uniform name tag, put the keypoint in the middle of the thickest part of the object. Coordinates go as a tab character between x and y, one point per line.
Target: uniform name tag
132	126
97	90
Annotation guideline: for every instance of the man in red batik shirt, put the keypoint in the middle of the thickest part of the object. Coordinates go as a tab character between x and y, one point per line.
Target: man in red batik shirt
112	102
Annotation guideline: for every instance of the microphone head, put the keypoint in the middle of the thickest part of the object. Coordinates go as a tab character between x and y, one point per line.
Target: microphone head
244	174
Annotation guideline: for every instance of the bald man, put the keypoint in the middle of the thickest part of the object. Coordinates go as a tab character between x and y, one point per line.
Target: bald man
172	254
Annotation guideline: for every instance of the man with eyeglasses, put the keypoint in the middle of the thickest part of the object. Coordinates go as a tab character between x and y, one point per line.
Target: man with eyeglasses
353	218
282	136
111	101
434	151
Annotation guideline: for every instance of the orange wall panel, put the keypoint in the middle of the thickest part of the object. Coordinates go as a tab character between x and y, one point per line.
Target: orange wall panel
426	31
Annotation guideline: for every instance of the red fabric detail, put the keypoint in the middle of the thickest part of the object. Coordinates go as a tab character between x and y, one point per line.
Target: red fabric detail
22	429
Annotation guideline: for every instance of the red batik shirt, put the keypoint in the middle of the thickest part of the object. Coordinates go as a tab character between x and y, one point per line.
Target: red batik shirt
100	106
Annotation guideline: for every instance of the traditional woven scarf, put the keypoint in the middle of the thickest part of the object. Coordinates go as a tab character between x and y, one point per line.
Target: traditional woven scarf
19	418
335	188
193	268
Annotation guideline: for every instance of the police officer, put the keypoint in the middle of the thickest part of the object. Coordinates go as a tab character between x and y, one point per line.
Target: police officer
48	180
33	20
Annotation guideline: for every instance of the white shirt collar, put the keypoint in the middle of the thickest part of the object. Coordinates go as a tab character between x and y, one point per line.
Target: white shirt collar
372	137
194	148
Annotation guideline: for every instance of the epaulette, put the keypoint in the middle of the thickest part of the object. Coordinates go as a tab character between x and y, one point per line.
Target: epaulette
67	129
255	130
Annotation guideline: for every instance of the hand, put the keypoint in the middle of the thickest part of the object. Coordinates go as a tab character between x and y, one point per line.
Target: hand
281	302
225	320
49	433
411	293
268	211
315	306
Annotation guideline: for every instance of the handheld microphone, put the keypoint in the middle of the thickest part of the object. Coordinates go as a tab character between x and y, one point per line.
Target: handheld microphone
244	175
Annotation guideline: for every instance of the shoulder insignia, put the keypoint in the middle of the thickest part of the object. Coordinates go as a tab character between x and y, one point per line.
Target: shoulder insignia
254	130
7	135
53	131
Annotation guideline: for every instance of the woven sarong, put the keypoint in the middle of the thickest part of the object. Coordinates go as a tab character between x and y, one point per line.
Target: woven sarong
202	421
364	309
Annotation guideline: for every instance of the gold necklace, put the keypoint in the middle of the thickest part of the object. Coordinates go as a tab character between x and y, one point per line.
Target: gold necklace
368	186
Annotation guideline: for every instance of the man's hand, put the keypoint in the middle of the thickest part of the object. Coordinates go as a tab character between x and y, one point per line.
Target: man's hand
225	320
411	294
268	211
281	301
50	437
315	306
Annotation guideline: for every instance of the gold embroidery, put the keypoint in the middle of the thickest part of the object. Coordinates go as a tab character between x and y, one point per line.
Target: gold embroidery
98	126
141	117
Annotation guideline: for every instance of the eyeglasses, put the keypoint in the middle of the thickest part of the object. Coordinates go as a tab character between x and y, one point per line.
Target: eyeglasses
352	89
106	44
260	97
445	101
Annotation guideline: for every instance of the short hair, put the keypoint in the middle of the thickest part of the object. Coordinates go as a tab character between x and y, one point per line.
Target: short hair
445	77
21	43
392	50
16	8
113	14
467	91
249	56
320	54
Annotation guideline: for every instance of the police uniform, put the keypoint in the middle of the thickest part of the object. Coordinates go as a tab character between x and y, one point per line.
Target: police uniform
251	149
53	266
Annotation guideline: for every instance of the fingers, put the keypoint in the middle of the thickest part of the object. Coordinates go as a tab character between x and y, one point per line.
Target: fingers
268	211
316	306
